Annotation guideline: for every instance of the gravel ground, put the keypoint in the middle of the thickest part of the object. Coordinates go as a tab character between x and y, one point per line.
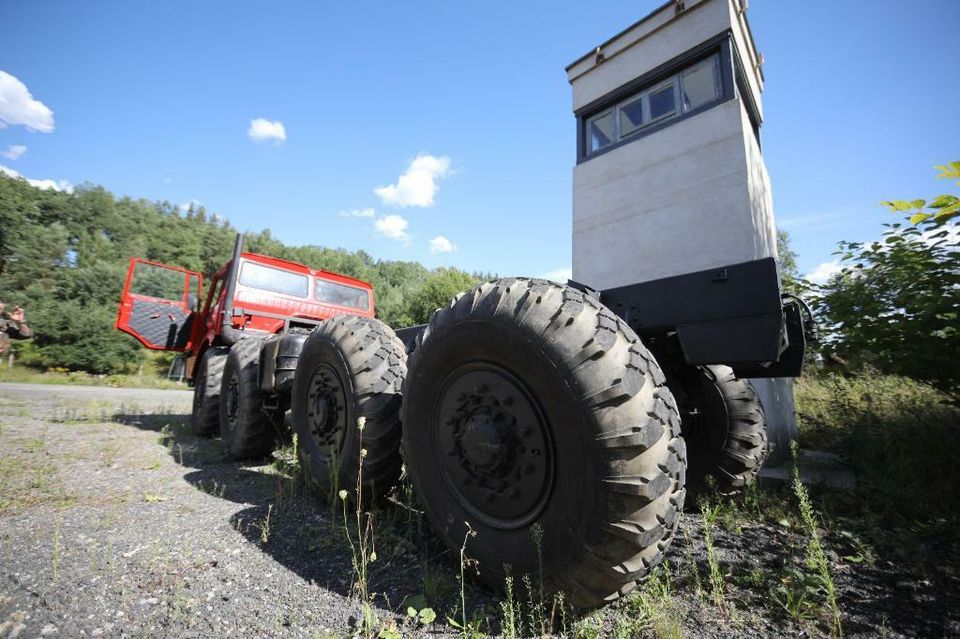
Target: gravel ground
116	521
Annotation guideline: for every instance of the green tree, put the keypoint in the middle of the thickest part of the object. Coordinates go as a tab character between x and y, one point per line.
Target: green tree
896	304
64	256
790	277
442	285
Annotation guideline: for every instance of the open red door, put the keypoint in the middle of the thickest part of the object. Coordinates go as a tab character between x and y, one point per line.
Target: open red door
158	305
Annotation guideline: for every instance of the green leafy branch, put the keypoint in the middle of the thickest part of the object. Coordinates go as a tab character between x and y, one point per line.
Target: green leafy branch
941	209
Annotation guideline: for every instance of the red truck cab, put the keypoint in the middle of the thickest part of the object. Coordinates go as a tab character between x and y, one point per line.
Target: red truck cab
160	305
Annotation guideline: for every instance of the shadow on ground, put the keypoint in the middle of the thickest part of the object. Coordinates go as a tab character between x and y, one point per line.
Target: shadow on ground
298	527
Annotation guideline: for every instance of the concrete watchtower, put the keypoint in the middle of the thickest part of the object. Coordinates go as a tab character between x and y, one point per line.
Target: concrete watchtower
669	176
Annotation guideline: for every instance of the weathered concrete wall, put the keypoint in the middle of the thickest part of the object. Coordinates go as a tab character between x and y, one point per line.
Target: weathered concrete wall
657	39
675	201
776	396
645	47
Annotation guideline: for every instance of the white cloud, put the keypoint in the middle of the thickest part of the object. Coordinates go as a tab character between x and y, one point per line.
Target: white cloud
393	227
418	186
191	203
823	272
45	185
358	213
559	275
17	106
440	244
263	130
14	151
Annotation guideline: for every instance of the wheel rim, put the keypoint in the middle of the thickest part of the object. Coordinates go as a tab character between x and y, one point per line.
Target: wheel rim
233	399
703	422
326	410
703	413
493	446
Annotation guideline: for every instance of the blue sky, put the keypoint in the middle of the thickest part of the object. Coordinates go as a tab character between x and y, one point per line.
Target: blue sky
156	100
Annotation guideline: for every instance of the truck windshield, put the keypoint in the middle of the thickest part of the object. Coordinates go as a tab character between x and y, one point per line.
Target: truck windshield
273	279
342	295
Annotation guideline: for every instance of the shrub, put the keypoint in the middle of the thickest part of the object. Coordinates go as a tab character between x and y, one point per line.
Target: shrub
901	436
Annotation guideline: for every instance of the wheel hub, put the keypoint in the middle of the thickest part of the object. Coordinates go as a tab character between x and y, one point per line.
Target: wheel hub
494	446
488	440
326	412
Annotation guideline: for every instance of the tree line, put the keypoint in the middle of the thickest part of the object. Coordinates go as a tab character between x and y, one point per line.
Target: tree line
64	257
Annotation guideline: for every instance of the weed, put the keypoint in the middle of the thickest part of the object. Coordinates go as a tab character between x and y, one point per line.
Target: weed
418	612
537	608
467	628
649	609
657	604
508	607
694	568
214	488
265	526
588	627
362	552
816	556
717	586
795	595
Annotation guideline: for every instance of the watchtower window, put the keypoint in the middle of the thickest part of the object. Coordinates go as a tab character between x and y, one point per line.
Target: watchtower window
702	83
691	88
602	131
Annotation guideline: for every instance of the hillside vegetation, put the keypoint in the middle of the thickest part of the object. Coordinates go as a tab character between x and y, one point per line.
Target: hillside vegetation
64	256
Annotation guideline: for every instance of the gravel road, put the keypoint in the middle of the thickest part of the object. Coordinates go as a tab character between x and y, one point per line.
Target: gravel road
116	521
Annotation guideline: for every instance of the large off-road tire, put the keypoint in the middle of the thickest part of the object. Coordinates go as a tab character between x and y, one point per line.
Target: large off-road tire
723	425
206	391
351	367
247	432
534	415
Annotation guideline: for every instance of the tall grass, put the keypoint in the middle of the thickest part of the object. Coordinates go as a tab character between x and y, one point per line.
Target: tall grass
901	436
